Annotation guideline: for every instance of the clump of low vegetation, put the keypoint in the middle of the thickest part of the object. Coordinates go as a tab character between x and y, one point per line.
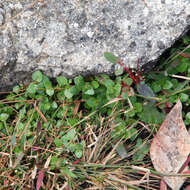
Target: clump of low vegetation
66	135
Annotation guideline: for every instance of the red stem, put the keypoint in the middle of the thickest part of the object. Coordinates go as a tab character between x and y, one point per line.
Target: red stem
137	78
185	55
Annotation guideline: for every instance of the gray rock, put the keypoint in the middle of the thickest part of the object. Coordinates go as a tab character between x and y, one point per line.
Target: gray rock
70	37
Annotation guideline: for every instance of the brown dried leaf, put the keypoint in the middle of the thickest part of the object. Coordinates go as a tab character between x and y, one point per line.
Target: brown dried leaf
171	147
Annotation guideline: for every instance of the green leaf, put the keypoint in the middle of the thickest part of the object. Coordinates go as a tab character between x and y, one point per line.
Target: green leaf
61	95
110	57
37	76
131	134
119	72
50	91
54	105
4	116
90	92
95	84
131	113
124	95
92	102
54	161
168	85
182	66
172	99
74	90
150	114
72	121
31	89
79	81
71	134
45	106
46	82
156	87
68	172
186	40
109	83
17	150
20	127
110	93
181	85
138	107
1	126
62	81
87	89
117	89
58	142
60	114
68	93
118	80
142	150
71	147
187	116
128	81
78	153
22	112
174	82
16	89
184	97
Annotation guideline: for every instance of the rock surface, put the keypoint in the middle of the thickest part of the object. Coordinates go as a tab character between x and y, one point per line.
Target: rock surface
70	37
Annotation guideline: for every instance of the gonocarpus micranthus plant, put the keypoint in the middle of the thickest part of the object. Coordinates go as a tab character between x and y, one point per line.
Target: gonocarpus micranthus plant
142	88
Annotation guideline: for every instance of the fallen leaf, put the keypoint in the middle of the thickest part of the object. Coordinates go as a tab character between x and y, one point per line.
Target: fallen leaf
171	147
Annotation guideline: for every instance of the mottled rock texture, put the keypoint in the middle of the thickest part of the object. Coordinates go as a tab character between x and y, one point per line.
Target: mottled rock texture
70	36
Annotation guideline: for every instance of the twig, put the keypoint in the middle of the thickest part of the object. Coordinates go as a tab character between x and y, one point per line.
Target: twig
180	77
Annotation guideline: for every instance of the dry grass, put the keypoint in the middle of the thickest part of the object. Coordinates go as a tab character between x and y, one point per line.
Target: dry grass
99	168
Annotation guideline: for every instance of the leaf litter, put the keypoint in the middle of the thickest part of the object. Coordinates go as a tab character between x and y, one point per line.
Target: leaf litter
170	147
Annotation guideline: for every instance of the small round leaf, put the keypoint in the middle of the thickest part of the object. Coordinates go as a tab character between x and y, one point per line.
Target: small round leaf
37	76
168	85
4	116
90	92
95	84
50	91
31	89
16	89
183	97
68	93
62	81
78	153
